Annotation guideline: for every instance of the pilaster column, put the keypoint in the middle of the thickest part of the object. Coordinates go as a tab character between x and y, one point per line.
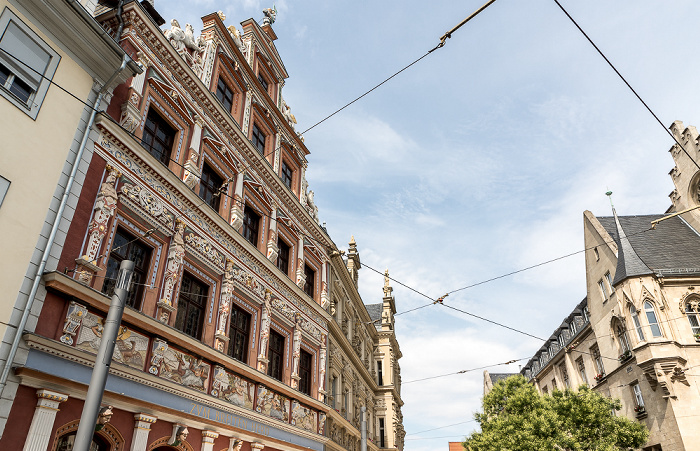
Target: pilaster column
221	338
324	284
296	352
322	370
42	423
265	332
301	275
131	115
276	154
176	255
272	249
192	175
208	438
256	446
238	203
142	427
105	204
234	444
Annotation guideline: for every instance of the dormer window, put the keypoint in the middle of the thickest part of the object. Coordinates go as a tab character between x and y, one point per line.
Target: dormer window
259	139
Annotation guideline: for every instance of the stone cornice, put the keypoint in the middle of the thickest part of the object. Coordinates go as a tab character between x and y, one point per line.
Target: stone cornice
339	339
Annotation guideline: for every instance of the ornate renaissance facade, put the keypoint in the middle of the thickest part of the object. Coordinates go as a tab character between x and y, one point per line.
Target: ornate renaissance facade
196	174
636	336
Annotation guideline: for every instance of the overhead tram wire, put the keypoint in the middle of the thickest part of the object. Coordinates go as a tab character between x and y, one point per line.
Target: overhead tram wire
626	83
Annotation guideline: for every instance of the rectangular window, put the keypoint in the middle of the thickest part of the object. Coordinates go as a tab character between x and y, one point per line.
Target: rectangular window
305	365
158	137
554	384
209	187
259	139
603	291
565	376
610	282
27	64
637	390
251	223
334	391
380	376
382	443
126	247
582	370
283	256
263	82
286	173
224	94
238	334
191	306
275	355
598	361
545	390
309	284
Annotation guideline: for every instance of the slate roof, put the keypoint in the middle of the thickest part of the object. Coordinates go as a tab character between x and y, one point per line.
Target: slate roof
496	377
672	248
375	314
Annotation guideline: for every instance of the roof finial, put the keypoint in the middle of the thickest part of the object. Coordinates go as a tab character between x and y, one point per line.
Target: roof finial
609	194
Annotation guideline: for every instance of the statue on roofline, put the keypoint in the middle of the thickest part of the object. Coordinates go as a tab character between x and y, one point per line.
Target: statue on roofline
270	15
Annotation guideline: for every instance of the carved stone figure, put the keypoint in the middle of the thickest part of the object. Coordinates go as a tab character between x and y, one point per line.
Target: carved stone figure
296	355
270	15
236	35
287	113
190	41
103	417
176	254
105	204
176	36
224	305
265	331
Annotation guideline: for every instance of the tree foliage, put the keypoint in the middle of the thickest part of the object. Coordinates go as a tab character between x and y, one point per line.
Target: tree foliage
517	418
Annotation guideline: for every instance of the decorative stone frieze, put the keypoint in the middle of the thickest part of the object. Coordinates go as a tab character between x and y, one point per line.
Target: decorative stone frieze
74	318
158	350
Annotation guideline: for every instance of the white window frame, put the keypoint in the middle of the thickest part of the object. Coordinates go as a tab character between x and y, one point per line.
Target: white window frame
603	290
608	277
637	391
41	82
582	370
637	324
693	318
652	319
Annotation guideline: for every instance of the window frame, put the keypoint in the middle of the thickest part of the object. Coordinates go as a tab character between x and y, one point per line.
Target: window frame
282	244
36	99
163	123
189	299
637	393
140	273
259	145
692	313
305	372
287	176
597	360
275	366
603	290
250	212
582	370
637	323
309	286
609	279
650	313
226	101
236	312
206	192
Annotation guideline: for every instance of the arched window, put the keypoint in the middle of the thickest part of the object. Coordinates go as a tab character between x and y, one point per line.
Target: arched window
622	338
66	442
637	324
651	318
692	311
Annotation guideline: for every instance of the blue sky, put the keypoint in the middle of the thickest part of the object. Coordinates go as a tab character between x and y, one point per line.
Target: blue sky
479	160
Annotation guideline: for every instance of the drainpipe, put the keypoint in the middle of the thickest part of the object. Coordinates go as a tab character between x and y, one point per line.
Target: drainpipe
54	229
121	21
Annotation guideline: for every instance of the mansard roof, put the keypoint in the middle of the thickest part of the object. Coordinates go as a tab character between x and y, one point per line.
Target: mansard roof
496	377
673	248
375	314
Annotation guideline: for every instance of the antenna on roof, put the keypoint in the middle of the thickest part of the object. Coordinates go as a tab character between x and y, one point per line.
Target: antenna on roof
609	194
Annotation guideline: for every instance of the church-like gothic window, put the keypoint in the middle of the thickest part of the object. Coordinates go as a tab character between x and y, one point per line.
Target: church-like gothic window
637	324
651	318
691	311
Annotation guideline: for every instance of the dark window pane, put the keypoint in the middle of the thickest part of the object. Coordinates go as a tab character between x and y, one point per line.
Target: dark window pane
190	306
283	256
305	361
262	81
4	74
158	137
21	90
224	94
238	334
127	247
286	175
251	222
275	355
309	284
259	139
209	187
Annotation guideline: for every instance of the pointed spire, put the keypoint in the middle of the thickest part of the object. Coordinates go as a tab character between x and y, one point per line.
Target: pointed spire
628	262
353	262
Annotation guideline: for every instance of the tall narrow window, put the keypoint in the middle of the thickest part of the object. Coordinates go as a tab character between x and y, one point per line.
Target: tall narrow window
334	392
286	174
651	318
158	137
259	139
382	443
598	361
554	384
262	81
283	256
582	370
309	284
346	402
380	377
238	334
603	291
639	401
209	187
126	247
565	376
224	94
637	324
693	318
622	338
276	355
610	282
251	222
305	362
191	306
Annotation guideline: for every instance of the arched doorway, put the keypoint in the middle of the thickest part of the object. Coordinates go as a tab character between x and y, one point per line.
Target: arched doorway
66	442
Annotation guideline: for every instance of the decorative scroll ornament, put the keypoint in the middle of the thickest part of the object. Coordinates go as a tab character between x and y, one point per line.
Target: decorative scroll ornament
105	204
176	254
74	318
149	203
204	247
249	282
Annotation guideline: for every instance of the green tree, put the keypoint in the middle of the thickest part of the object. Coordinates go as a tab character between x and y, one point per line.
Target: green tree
517	418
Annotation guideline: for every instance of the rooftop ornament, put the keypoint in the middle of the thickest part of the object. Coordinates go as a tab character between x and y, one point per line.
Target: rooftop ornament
270	15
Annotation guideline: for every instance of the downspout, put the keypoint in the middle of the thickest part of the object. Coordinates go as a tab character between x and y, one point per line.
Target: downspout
121	21
54	228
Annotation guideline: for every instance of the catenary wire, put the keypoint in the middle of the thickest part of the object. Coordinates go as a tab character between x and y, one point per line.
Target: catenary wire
626	83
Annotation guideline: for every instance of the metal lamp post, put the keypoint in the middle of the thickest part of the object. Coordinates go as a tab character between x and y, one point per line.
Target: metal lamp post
91	408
